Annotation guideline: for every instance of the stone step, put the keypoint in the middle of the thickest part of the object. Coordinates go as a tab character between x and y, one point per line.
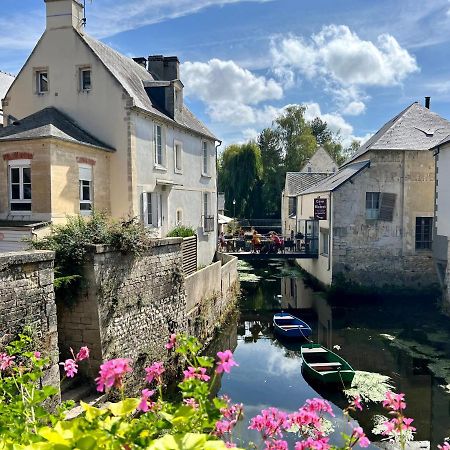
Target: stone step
77	392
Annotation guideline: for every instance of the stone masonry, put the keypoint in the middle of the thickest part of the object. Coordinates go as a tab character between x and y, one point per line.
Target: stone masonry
27	299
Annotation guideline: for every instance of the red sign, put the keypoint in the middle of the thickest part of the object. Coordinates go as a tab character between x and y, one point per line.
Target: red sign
320	208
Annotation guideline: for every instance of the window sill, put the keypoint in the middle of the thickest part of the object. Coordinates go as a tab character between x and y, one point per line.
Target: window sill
41	94
179	172
159	168
325	255
84	91
205	175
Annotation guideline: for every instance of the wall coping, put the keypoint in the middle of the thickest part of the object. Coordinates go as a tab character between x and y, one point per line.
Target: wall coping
101	248
25	257
208	267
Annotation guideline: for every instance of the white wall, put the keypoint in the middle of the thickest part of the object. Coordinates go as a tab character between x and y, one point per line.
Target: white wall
443	192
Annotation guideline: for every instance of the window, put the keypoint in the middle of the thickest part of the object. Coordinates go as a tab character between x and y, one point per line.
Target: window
20	186
325	242
42	82
179	217
372	205
152	209
205	163
309	169
292	206
424	233
85	181
85	79
208	220
158	146
178	149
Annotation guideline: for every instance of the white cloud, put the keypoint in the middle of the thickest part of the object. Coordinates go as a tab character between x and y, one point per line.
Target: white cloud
340	54
354	108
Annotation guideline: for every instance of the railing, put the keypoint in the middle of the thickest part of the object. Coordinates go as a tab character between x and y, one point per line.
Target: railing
208	223
189	249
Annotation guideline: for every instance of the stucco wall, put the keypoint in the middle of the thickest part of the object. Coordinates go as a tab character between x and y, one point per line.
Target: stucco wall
443	192
27	299
321	161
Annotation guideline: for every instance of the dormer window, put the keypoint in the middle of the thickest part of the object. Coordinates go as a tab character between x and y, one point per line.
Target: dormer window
85	79
42	81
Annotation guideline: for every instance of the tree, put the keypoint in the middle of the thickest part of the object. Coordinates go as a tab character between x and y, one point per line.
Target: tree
320	130
240	171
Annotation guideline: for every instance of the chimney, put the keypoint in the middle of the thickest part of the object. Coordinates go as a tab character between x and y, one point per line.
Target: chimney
427	102
64	14
156	66
164	68
141	61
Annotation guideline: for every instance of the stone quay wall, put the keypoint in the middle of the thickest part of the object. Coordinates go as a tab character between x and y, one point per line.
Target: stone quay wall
28	300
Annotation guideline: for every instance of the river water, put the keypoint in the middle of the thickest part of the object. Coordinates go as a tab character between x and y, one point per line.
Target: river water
408	341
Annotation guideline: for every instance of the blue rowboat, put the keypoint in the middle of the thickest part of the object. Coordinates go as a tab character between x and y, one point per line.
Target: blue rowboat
289	326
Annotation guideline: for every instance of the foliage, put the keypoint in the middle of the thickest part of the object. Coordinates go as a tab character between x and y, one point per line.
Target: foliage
72	242
198	421
181	231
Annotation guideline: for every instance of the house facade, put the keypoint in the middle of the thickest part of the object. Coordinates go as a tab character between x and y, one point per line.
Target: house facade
377	229
5	82
317	168
147	156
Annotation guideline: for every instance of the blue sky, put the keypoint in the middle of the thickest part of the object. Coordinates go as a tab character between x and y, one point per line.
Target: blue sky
356	63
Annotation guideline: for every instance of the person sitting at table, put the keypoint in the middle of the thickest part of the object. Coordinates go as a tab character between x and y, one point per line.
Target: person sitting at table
256	242
222	241
277	243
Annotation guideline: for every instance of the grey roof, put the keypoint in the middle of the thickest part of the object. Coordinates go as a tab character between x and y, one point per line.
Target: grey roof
297	182
444	141
50	123
415	128
333	182
132	76
5	82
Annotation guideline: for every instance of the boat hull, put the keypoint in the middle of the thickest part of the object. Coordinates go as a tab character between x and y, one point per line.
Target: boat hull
290	327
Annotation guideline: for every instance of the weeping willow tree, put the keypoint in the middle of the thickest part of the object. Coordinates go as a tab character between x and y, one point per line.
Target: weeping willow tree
240	172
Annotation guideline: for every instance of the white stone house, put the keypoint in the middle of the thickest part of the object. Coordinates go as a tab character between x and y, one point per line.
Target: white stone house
5	82
380	207
319	166
161	162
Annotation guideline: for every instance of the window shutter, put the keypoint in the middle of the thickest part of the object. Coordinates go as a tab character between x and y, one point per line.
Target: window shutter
145	208
387	205
160	212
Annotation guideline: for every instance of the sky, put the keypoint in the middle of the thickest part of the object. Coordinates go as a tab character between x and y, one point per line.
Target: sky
354	63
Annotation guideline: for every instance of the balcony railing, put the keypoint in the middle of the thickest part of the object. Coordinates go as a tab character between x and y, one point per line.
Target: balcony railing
208	223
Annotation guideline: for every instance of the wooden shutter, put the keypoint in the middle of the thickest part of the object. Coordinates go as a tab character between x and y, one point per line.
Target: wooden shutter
145	208
387	205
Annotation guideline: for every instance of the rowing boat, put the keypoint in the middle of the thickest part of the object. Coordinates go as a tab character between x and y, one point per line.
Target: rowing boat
289	326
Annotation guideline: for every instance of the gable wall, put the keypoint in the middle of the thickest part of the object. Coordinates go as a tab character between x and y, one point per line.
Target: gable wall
321	161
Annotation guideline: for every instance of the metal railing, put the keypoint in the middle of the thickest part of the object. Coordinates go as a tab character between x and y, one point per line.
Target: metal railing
209	223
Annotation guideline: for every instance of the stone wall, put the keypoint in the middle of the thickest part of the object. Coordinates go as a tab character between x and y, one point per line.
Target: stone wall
27	299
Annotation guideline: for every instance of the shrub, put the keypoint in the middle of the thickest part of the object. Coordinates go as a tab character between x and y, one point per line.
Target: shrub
181	231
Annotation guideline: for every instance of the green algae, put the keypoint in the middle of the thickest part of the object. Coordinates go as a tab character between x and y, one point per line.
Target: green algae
370	386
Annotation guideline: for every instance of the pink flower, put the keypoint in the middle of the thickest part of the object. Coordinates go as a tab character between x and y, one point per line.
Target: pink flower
70	367
396	402
276	445
154	372
224	426
199	373
310	443
37	355
82	354
172	341
397	425
145	405
270	423
444	446
361	438
191	402
6	361
233	412
407	424
356	403
230	445
318	405
112	373
226	361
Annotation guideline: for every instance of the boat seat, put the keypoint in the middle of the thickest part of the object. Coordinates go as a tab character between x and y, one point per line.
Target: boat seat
284	318
291	326
314	350
325	366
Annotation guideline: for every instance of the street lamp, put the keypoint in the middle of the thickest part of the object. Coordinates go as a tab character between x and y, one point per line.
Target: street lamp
234	209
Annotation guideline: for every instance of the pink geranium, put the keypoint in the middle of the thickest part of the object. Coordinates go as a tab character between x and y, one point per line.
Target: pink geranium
154	372
276	445
199	373
444	446
191	402
270	423
224	426
70	367
356	403
82	354
6	361
393	401
318	405
360	437
112	373
145	405
172	341
37	355
226	361
311	443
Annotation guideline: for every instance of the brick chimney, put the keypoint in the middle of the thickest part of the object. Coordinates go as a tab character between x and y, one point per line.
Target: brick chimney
164	68
64	14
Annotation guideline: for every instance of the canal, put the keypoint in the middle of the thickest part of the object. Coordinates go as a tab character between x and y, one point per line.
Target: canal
408	341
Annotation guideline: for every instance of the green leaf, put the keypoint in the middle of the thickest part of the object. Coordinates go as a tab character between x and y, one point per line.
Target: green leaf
91	411
124	407
205	361
54	437
87	443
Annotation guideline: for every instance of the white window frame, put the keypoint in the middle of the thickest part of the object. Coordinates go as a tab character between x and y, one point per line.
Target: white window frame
38	73
19	164
152	209
205	159
177	158
325	242
372	213
86	178
159	163
82	70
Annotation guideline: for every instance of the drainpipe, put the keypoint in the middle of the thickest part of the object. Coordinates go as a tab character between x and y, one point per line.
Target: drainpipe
217	196
330	233
402	192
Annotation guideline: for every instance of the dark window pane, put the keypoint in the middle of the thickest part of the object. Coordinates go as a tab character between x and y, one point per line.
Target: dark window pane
86	79
43	82
15	175
26	175
27	191
86	193
15	192
85	207
20	206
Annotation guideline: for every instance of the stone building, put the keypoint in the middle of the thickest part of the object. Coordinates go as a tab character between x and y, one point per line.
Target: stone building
318	167
92	129
5	82
377	226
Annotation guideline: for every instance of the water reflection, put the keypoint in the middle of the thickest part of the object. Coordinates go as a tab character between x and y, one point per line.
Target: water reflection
270	370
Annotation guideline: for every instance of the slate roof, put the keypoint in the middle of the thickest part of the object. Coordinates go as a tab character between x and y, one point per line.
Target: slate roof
297	182
415	128
5	82
444	141
131	77
333	182
50	123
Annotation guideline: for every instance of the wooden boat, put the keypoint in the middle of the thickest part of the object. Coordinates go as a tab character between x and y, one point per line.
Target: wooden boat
325	366
289	326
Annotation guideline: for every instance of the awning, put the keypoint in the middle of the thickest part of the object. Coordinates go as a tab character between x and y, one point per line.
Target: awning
169	183
224	219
